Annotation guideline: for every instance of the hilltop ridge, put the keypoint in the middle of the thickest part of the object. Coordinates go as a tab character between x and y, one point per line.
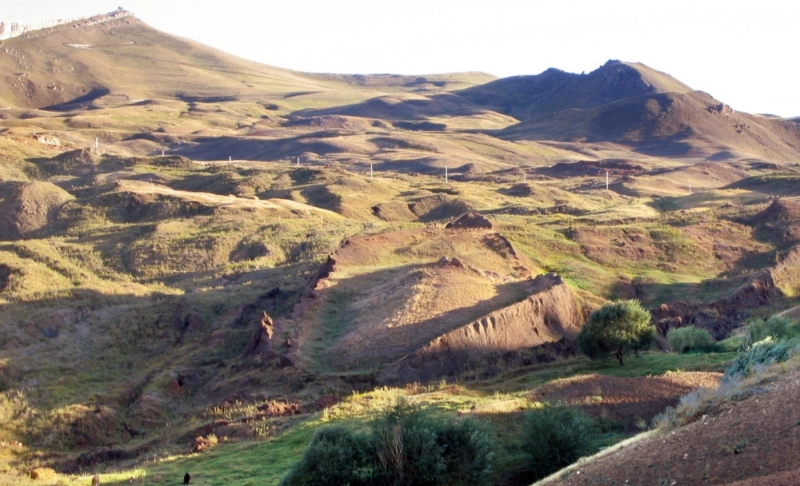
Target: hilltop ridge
16	29
554	90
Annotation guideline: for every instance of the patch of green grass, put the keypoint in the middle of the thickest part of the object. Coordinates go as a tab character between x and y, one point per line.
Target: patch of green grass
651	363
497	401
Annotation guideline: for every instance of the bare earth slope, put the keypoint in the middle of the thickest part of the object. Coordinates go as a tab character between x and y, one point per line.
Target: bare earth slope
751	442
381	297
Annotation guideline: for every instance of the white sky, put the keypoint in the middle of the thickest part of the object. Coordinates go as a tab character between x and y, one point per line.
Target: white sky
742	53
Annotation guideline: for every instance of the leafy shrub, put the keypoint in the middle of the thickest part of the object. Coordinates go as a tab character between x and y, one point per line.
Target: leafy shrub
776	327
615	329
687	338
336	455
555	437
403	447
761	354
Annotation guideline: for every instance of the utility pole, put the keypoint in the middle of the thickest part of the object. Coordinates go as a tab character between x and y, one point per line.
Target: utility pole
606	180
96	143
298	161
690	187
524	177
445	174
370	170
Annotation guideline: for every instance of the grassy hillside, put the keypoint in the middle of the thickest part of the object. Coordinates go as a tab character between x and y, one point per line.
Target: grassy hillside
197	251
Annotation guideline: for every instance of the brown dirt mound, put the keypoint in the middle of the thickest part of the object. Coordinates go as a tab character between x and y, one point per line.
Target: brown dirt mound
381	297
437	207
470	220
393	211
29	207
523	189
615	167
78	162
547	315
752	441
781	220
629	401
336	122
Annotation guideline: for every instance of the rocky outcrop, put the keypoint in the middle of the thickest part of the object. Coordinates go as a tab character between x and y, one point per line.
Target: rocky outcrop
16	29
48	140
261	340
547	316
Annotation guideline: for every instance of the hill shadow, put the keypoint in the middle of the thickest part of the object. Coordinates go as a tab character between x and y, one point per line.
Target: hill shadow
395	108
117	369
81	102
243	148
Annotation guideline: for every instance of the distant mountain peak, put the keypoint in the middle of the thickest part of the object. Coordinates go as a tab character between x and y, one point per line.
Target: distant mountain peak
16	29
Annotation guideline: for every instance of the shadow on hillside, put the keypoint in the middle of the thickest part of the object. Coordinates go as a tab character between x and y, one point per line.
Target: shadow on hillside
100	345
244	148
79	102
394	108
108	374
352	340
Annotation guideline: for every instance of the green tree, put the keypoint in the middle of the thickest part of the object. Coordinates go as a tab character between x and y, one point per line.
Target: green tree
616	329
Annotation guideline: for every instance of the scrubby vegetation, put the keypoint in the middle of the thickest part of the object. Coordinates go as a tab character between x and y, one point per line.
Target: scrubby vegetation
403	447
554	437
761	354
776	327
683	339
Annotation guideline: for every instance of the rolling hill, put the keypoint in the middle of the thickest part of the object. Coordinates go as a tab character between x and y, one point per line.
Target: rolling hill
203	259
552	91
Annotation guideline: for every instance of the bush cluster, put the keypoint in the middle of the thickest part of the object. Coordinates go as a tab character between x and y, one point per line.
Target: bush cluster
761	354
406	447
776	327
555	437
688	338
403	447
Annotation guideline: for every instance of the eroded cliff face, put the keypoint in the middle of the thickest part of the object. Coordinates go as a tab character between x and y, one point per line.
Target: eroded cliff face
16	29
729	312
546	319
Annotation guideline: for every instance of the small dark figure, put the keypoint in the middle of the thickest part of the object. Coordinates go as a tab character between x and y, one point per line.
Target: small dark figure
186	478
